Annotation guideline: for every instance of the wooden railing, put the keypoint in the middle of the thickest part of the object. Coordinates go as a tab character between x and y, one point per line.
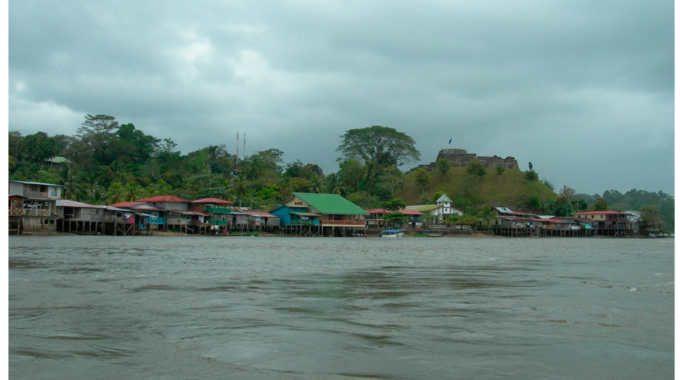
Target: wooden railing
17	211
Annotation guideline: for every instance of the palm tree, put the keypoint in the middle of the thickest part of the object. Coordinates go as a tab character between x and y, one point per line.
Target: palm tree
315	184
423	197
227	190
334	184
253	167
486	214
115	193
71	182
131	191
240	187
285	188
92	189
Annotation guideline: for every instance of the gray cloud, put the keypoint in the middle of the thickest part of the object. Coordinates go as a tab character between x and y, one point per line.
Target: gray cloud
582	89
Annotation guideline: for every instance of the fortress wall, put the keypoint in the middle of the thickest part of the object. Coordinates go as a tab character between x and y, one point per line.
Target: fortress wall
460	157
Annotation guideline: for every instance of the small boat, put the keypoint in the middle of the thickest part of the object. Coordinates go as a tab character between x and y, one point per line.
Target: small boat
391	234
434	234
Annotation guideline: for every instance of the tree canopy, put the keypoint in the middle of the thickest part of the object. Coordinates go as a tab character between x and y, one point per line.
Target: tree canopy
383	146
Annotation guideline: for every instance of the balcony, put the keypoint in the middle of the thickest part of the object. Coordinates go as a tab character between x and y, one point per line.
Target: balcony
17	211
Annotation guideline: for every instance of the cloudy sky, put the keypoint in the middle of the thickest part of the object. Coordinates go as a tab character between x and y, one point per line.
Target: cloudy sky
582	89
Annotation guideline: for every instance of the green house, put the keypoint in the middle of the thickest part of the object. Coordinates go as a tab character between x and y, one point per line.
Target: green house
327	214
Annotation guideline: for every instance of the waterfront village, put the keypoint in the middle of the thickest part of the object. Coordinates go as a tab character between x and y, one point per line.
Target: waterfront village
38	208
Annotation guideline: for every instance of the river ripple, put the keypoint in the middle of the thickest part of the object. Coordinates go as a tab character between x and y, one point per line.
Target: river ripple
340	308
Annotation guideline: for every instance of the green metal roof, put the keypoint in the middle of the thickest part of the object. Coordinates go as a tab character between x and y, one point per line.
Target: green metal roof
444	198
331	204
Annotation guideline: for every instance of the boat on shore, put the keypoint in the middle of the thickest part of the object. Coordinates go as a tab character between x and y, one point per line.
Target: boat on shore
391	234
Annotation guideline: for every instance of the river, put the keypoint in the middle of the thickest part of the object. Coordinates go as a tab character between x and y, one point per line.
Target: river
106	307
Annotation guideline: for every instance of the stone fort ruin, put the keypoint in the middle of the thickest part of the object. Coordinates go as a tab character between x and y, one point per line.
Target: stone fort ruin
460	157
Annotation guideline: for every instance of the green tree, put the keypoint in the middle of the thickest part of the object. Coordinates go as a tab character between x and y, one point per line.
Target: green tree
253	167
466	220
394	204
241	188
70	179
443	165
567	194
531	176
115	193
422	178
96	135
391	179
599	205
548	184
316	185
650	220
383	145
469	186
487	214
476	168
423	197
39	147
499	172
395	218
333	184
352	172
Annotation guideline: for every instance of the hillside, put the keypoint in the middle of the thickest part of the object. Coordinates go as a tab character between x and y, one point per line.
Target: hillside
510	190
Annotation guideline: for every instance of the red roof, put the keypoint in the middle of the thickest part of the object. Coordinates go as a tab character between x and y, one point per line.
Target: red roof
163	198
601	213
213	200
378	211
125	204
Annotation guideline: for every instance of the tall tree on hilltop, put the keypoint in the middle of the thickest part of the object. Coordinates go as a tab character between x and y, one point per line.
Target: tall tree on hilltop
383	145
376	148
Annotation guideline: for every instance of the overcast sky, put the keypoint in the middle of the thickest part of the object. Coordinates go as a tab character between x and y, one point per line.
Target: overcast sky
582	89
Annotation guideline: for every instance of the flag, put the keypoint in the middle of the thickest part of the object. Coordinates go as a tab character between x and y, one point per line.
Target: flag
450	140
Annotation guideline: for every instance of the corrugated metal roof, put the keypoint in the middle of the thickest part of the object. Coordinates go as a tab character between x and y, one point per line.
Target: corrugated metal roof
213	200
70	203
444	198
331	204
504	210
36	183
58	160
260	213
164	198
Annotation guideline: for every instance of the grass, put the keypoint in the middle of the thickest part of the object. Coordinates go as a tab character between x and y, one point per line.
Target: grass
510	190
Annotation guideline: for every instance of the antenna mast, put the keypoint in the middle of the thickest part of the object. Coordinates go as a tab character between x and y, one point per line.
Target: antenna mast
236	150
